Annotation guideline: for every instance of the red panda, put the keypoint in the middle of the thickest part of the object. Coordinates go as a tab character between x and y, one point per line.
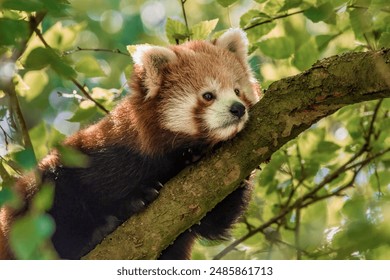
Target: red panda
184	100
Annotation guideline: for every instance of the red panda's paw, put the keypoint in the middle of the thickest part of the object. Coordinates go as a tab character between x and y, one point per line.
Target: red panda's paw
192	155
147	195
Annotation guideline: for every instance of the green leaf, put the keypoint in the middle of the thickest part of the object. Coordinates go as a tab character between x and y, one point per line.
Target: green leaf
37	59
320	13
313	224
12	31
7	196
44	137
306	55
278	48
25	159
380	178
384	40
62	67
361	22
203	29
23	5
71	157
29	233
86	110
253	17
33	84
290	4
176	31
57	7
256	24
322	41
226	3
62	37
328	147
272	7
42	57
89	66
355	208
43	200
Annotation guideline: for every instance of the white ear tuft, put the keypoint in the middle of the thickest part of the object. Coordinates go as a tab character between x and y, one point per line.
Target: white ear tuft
236	41
153	60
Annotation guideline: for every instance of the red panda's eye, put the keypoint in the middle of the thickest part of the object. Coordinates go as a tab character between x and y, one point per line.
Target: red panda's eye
208	96
237	91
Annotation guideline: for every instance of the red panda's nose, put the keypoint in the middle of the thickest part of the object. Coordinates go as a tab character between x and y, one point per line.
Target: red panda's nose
237	109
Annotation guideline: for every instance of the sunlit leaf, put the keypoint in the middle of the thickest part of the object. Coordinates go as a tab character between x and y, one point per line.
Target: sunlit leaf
256	24
322	41
290	4
226	3
306	55
89	66
62	37
361	21
44	137
278	48
320	13
355	208
86	110
34	82
176	31
203	29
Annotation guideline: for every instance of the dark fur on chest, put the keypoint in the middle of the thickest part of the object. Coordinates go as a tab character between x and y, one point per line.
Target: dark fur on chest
91	202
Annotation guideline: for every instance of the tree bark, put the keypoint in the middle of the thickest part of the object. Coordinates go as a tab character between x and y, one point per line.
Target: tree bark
289	107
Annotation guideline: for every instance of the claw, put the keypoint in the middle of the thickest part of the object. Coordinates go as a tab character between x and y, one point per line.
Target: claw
138	205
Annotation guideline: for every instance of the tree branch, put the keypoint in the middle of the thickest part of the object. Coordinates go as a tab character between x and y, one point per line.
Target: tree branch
289	107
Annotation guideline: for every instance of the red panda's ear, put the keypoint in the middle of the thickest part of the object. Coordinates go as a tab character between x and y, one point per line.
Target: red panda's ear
153	60
234	40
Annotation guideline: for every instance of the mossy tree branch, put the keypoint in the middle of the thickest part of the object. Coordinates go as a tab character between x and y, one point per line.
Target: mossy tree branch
289	107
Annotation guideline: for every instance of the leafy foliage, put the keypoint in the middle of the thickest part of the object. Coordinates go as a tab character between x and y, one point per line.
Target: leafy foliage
62	66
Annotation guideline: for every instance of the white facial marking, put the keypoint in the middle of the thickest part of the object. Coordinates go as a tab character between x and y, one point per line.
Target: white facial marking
178	114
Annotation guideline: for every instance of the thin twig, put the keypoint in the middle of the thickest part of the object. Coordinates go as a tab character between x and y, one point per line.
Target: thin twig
79	49
34	21
272	19
185	18
354	6
87	95
15	106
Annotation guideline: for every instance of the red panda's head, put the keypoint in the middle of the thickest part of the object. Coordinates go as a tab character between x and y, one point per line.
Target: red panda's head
199	89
